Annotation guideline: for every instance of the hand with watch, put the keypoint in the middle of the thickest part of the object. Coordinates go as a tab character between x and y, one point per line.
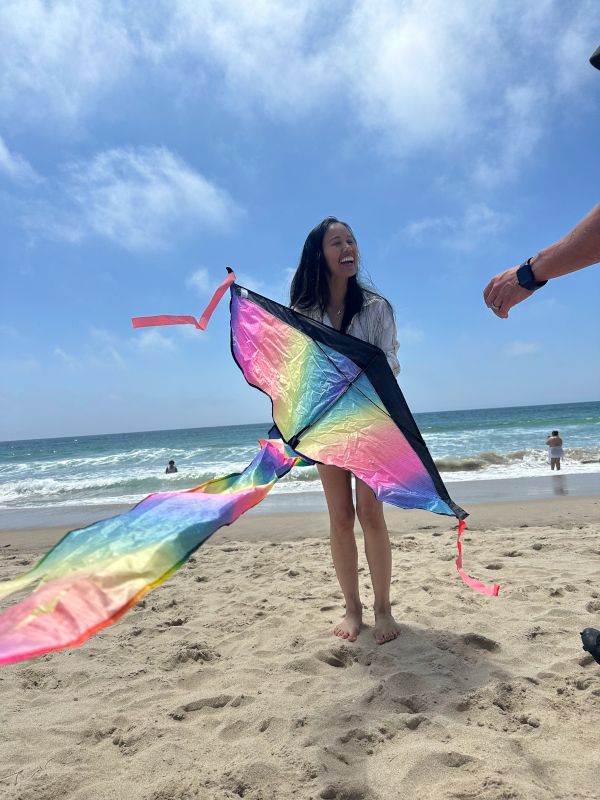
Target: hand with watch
511	287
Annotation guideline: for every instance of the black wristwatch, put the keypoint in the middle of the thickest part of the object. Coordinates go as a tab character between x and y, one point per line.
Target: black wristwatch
526	278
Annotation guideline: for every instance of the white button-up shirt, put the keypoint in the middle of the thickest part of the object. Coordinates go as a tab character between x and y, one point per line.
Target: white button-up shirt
374	324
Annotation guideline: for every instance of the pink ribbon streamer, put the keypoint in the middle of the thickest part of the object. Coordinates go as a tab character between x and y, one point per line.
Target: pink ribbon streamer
201	324
478	586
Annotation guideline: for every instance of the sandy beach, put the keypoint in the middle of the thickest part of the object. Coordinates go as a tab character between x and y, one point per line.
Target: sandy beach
226	681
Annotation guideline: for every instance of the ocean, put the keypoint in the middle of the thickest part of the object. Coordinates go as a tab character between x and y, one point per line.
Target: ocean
50	481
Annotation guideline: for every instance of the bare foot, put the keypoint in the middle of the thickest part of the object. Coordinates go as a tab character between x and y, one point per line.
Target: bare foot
386	628
349	627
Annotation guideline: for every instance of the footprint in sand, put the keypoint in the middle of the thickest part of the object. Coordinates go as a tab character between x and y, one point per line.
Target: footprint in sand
97	732
34	680
586	660
413	704
336	657
455	760
191	651
343	792
480	642
130	740
358	735
412	723
177	622
507	696
240	729
219	701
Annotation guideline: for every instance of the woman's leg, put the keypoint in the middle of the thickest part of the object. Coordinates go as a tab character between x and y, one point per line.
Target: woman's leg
338	493
379	556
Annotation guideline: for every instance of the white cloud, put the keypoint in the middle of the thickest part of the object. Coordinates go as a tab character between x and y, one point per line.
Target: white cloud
410	71
446	77
514	136
15	166
408	332
450	76
520	348
58	59
251	282
138	198
409	75
477	222
101	335
111	357
67	359
418	229
200	281
104	350
154	341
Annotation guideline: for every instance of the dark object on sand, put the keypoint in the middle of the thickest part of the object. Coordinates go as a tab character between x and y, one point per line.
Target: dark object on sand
591	642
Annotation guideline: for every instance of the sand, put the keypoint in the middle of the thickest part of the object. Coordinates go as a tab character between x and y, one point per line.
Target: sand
226	681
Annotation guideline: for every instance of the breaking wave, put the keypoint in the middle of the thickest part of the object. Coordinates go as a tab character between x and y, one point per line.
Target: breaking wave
518	463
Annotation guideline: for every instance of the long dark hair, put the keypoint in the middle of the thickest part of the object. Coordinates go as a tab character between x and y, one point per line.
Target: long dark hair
310	287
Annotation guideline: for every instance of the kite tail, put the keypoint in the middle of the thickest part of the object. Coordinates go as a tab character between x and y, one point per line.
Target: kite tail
95	574
493	590
201	324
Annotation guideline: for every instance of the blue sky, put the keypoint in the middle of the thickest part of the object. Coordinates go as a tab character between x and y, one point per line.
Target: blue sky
144	147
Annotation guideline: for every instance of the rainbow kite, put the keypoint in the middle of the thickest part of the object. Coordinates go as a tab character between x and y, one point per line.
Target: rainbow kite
335	401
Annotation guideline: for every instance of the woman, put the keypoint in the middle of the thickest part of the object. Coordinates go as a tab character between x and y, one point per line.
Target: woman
325	287
555	443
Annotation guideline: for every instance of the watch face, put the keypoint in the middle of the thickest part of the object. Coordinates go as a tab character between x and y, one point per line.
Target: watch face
525	277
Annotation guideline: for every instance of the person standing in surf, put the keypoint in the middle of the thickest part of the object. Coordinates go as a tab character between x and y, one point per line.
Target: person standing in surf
555	444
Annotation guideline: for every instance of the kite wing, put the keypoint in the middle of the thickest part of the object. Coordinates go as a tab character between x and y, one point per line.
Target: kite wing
336	401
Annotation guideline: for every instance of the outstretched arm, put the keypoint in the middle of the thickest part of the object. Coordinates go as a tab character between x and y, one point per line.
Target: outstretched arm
578	249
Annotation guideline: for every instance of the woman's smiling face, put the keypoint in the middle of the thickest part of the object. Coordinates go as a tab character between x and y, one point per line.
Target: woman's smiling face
340	251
